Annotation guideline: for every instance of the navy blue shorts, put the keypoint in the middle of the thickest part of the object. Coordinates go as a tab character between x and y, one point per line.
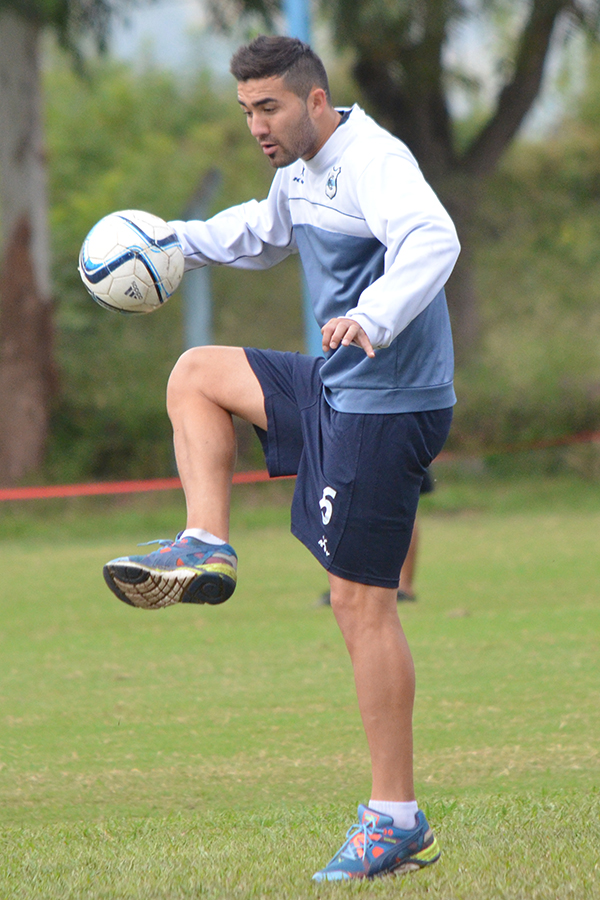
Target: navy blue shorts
427	483
359	475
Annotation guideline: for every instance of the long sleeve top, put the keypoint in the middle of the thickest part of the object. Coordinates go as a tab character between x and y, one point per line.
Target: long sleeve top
376	246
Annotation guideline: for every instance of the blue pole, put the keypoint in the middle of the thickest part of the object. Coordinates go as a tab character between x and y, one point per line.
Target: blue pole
297	16
196	286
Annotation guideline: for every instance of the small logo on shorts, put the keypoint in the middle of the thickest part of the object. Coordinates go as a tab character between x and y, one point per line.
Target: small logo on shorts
323	546
326	505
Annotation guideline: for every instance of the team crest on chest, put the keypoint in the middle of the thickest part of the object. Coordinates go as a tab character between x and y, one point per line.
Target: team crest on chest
332	182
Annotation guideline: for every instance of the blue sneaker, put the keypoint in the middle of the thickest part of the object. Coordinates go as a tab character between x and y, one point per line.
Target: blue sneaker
375	847
185	570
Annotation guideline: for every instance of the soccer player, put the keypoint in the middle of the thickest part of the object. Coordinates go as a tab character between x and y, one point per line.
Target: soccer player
358	427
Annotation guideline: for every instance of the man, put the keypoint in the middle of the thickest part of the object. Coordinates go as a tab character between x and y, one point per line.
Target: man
359	427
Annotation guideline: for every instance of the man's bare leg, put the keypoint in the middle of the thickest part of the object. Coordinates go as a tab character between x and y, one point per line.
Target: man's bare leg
407	572
385	685
385	681
206	386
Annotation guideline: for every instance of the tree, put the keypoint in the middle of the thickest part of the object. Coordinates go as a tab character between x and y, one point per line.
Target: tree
27	373
400	64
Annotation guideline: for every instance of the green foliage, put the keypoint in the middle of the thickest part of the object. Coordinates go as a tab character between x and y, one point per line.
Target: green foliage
537	267
73	21
117	140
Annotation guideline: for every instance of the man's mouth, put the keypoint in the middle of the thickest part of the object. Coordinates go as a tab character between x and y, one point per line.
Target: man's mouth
268	147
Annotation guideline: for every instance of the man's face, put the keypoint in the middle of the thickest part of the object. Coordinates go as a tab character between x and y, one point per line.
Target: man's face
279	120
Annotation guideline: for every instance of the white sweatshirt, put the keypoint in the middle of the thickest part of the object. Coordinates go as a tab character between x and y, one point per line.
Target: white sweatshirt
376	245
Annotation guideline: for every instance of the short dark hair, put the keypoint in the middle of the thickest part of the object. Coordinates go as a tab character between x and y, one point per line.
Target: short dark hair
270	56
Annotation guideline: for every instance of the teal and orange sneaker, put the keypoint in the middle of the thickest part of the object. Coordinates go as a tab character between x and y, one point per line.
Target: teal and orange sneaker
185	570
375	847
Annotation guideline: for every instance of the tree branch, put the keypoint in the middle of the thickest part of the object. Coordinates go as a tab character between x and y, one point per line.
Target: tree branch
404	84
517	97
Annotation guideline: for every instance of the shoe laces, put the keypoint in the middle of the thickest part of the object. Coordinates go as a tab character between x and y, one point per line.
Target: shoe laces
364	828
162	541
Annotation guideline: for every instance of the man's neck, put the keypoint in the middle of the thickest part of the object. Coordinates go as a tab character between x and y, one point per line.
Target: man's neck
329	125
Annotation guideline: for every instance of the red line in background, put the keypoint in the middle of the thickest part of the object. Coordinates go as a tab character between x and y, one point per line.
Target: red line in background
584	437
168	484
116	487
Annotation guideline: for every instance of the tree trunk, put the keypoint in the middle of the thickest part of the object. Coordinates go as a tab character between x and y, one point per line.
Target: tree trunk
460	195
26	358
463	304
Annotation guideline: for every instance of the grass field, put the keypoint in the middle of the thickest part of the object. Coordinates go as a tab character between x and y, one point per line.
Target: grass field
206	752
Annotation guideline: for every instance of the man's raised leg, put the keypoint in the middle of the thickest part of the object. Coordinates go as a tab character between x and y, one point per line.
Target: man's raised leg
206	387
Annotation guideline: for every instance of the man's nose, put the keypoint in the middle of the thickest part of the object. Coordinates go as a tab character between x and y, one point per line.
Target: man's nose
258	126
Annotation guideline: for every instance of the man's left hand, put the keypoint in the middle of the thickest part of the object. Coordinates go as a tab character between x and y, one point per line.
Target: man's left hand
345	332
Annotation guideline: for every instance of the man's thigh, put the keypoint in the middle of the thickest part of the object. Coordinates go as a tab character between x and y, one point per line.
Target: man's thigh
358	489
290	384
224	376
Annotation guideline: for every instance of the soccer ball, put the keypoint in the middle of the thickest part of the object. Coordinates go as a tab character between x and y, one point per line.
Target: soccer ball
131	262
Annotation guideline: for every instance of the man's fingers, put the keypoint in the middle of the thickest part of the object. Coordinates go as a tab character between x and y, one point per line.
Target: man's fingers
335	331
363	341
327	330
346	332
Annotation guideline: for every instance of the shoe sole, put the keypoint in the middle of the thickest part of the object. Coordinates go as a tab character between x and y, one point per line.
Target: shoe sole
426	857
409	866
147	588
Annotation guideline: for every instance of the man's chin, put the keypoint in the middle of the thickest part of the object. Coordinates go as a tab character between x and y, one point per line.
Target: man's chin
279	160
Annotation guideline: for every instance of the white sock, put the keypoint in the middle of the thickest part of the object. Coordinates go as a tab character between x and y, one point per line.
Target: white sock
202	535
403	814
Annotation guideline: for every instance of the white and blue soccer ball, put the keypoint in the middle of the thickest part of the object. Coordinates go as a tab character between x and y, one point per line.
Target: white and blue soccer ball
131	262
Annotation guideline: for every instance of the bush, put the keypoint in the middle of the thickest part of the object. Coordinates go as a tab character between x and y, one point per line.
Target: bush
537	268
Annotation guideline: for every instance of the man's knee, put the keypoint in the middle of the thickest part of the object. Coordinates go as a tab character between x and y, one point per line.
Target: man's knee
194	364
221	376
188	374
345	598
353	602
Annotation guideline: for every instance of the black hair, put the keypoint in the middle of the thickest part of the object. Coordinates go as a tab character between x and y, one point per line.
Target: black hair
270	56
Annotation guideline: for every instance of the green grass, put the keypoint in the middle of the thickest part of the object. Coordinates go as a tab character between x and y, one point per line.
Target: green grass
217	752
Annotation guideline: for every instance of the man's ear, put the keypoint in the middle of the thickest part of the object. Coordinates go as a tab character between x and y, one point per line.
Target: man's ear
317	101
